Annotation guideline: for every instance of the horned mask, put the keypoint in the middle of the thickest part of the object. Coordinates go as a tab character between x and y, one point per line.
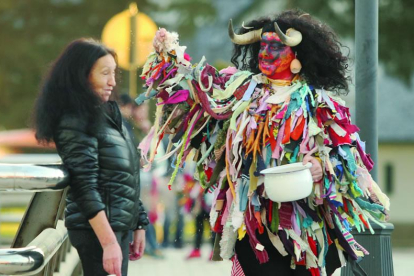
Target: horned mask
291	38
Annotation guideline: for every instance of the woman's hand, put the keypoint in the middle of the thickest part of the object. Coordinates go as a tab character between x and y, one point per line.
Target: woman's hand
316	169
112	259
112	253
137	247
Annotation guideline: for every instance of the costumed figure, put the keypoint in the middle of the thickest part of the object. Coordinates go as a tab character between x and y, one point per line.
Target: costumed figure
273	109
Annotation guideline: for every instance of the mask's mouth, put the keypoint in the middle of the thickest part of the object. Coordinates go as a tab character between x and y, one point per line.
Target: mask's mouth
266	63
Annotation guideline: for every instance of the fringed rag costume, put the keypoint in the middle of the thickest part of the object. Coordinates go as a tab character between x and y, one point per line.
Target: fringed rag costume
238	124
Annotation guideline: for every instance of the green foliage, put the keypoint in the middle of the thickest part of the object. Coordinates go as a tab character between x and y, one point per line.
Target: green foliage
34	32
394	21
395	25
395	38
184	16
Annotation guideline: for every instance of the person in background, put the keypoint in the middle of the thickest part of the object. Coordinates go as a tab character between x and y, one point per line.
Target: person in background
126	106
136	120
141	120
196	201
173	226
103	203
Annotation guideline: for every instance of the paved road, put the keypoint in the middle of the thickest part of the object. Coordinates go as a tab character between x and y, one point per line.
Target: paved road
174	264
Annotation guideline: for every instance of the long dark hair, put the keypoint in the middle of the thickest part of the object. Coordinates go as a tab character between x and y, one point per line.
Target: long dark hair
66	89
323	64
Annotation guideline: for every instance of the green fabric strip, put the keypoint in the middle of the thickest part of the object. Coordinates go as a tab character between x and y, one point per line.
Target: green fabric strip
274	224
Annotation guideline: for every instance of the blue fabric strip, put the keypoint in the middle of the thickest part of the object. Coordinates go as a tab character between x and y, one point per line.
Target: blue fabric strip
248	94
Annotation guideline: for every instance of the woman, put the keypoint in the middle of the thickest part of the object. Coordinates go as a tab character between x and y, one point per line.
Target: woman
74	111
274	112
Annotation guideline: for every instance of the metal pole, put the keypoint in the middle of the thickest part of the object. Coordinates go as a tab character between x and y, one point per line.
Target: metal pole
379	262
133	50
366	86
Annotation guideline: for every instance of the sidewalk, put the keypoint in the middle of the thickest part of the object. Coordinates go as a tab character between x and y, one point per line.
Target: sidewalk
174	264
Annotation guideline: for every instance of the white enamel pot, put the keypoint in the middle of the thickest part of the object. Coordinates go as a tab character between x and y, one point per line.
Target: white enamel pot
288	182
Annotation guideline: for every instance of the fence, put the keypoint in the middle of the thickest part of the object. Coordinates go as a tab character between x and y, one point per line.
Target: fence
40	246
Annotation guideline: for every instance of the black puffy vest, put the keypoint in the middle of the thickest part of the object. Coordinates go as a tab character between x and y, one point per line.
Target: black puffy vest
104	172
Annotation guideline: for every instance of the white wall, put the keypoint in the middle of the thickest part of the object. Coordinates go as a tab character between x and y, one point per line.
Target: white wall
401	157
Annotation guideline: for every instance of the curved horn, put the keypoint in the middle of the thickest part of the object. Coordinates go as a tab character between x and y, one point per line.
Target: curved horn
247	38
291	38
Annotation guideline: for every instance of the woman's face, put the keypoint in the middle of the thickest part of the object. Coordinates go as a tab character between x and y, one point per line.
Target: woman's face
102	76
274	56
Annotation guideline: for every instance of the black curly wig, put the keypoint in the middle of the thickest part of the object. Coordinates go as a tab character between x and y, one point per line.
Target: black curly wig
323	64
66	89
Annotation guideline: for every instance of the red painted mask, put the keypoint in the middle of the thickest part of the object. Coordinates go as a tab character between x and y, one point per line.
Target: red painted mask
275	57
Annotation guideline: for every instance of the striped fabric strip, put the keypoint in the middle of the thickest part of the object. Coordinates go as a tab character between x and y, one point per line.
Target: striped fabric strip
361	248
236	269
212	188
349	238
332	196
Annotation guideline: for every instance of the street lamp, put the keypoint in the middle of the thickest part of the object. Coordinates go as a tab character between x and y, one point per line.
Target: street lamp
130	34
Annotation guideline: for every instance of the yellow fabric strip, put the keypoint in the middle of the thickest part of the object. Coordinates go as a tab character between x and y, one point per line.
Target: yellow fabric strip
158	115
241	232
236	114
253	179
233	192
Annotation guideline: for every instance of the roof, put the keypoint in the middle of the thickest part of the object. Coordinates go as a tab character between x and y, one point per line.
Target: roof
395	110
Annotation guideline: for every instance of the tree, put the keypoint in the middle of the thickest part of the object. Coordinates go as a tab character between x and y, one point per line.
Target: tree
395	24
33	33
